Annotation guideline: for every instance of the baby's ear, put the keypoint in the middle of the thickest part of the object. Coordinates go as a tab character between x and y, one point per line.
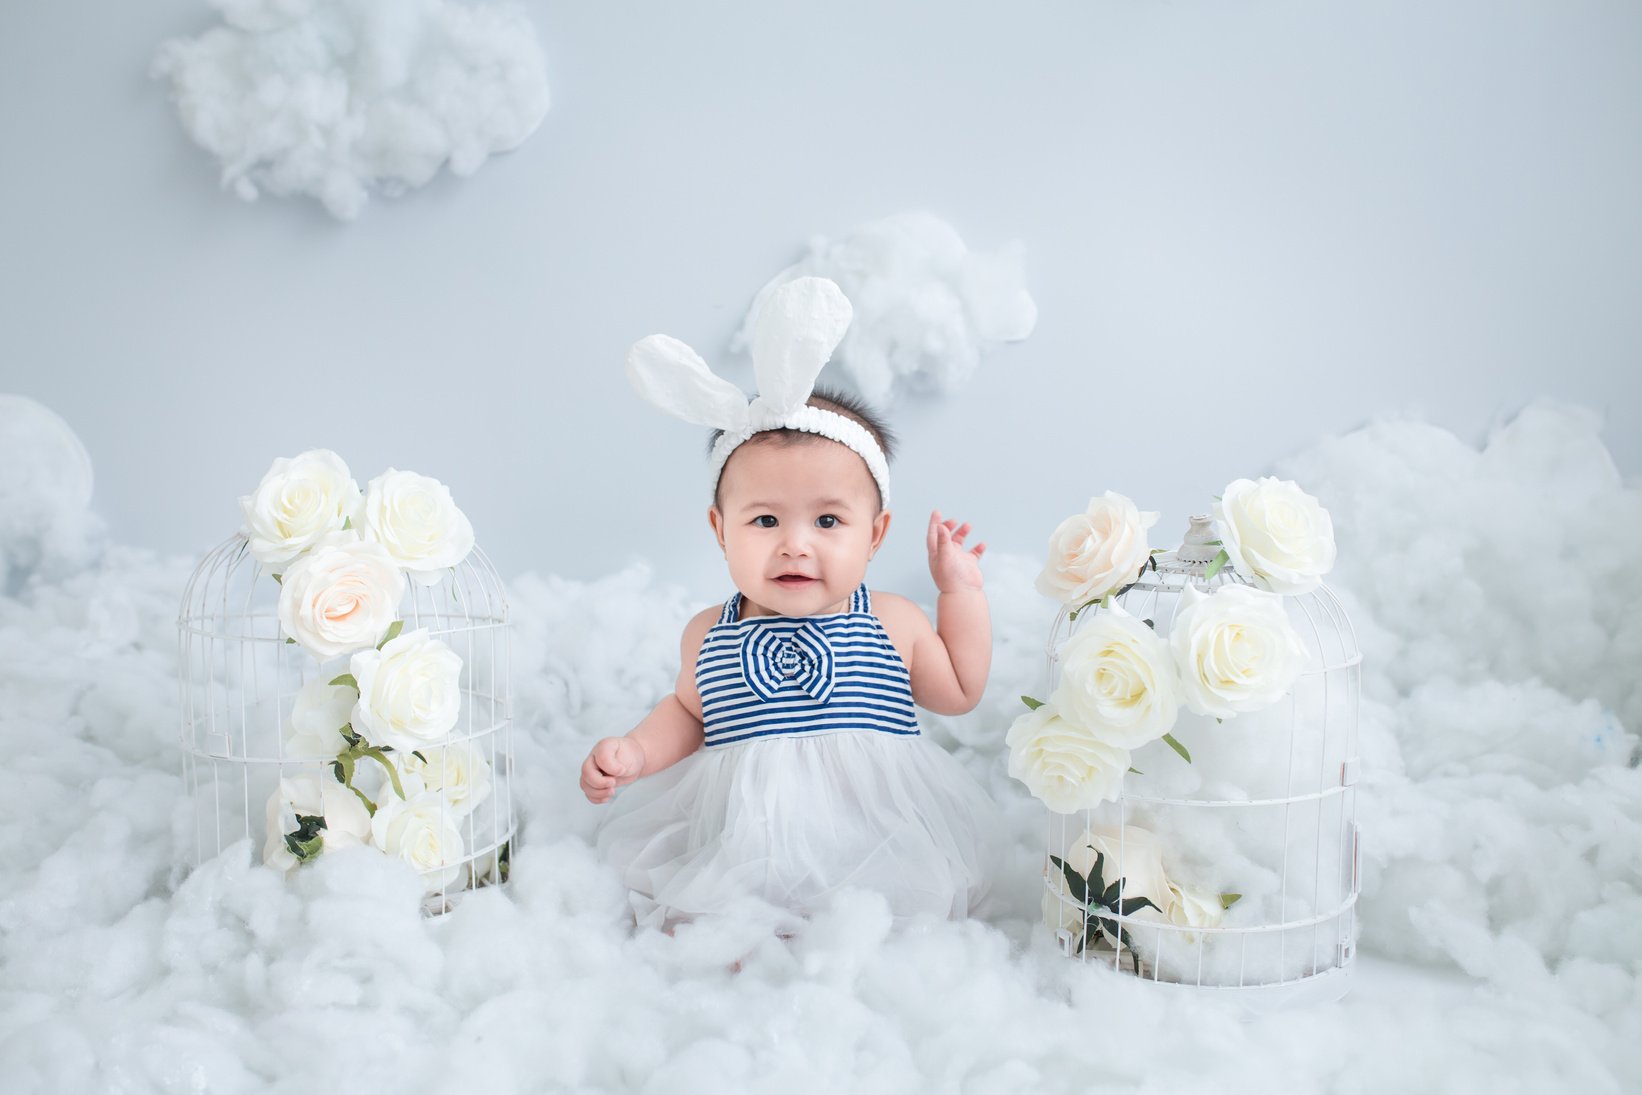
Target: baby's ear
880	527
715	518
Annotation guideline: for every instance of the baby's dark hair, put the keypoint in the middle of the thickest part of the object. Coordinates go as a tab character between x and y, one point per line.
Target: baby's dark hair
827	399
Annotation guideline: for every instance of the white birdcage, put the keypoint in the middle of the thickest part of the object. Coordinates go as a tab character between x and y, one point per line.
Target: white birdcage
1266	810
239	677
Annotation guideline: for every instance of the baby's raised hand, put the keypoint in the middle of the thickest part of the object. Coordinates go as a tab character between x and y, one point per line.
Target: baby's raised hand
952	566
614	762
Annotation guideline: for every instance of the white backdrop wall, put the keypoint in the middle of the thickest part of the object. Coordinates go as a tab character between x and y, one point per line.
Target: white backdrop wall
1247	225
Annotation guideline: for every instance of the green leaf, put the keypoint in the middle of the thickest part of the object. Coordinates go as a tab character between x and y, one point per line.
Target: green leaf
305	850
347	523
1150	623
1136	771
348	735
1031	704
347	680
1217	718
1159	551
1132	905
1097	881
393	633
417	753
382	759
290	640
1177	747
305	842
1220	560
1227	900
1214	543
1074	882
1109	898
279	578
370	807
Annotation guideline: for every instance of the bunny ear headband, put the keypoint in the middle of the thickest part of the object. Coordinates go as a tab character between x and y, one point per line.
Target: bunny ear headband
798	327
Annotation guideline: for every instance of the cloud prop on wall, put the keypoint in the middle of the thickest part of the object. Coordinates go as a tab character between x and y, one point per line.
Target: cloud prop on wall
335	98
926	306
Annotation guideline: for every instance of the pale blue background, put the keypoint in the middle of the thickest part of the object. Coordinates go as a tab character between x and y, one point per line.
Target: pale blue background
1248	225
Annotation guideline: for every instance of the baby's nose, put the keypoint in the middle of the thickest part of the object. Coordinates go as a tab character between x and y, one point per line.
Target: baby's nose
796	542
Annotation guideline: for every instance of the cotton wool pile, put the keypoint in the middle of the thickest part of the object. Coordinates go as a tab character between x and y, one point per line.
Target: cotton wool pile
337	99
926	306
1495	595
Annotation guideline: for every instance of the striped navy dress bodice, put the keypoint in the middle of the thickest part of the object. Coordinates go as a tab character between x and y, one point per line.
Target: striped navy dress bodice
802	675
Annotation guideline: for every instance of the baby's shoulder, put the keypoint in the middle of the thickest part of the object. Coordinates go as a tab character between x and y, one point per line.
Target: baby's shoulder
695	631
898	614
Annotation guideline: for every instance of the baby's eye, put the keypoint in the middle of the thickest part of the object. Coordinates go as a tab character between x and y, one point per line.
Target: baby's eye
826	520
765	520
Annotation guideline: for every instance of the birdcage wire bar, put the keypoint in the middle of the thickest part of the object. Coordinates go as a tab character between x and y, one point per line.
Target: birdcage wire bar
238	676
1303	956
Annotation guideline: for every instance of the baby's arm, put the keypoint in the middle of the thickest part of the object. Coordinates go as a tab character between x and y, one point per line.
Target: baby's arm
949	662
668	734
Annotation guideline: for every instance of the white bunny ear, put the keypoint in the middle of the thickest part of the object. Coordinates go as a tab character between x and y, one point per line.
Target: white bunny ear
798	328
673	377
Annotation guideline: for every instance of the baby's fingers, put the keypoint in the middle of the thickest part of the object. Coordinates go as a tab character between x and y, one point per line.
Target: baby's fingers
939	537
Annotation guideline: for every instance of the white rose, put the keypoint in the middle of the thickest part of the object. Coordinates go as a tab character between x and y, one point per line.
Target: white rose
1192	910
1118	680
456	772
1097	551
317	717
300	499
1135	856
414	518
1235	650
1275	533
1064	766
347	823
409	691
340	596
422	832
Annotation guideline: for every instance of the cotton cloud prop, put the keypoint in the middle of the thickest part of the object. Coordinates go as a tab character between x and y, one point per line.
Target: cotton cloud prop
335	98
46	523
1495	592
926	306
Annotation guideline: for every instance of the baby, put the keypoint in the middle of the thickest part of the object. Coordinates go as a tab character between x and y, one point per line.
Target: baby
787	762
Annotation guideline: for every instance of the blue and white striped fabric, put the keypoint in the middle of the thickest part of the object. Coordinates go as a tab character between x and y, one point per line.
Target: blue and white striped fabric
802	675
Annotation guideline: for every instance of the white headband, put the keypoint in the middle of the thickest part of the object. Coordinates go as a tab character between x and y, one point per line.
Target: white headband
797	330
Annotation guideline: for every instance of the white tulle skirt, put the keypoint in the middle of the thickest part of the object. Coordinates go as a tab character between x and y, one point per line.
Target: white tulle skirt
791	820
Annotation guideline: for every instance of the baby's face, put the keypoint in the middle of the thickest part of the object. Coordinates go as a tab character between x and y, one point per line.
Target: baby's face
797	523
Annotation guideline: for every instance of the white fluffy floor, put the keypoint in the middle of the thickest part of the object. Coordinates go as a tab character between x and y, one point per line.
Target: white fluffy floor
1497	596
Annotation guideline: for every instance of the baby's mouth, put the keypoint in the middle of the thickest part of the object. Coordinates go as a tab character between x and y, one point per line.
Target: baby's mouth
794	579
